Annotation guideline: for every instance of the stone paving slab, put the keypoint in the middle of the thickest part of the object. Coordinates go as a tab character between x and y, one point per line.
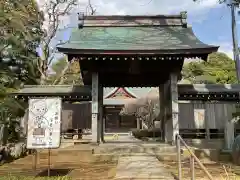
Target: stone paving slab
141	167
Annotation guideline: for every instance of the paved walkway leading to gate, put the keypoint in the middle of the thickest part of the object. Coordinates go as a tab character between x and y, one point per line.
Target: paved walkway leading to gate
141	168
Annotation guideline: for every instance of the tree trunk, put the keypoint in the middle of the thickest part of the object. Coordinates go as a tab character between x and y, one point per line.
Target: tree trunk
3	134
60	78
44	68
144	126
138	123
42	79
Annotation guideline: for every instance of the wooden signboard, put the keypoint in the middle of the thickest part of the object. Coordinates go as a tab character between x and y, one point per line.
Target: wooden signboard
44	123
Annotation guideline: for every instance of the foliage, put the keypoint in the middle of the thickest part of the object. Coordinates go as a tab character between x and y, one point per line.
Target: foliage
10	111
20	35
70	76
146	133
219	69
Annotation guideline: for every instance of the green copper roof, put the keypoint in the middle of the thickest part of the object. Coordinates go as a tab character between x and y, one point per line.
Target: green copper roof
133	38
139	92
53	90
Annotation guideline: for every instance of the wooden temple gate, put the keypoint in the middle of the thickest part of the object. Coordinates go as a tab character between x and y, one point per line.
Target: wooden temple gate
134	51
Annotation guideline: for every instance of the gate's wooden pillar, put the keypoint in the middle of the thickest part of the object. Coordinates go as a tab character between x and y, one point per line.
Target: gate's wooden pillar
174	104
162	107
95	109
172	111
101	120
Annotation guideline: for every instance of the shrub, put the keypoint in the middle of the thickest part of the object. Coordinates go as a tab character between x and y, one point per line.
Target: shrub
146	133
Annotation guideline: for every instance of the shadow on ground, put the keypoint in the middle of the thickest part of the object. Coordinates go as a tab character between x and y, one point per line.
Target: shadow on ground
54	172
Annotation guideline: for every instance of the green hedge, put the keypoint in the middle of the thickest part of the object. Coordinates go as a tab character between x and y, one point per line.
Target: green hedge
143	133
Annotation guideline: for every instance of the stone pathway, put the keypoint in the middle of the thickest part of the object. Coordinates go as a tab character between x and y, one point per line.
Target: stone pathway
141	167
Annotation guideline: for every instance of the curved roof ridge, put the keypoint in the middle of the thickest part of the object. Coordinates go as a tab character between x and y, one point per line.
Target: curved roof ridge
110	92
130	92
108	95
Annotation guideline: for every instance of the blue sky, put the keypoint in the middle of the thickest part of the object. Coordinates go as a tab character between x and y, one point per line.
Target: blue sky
210	21
215	28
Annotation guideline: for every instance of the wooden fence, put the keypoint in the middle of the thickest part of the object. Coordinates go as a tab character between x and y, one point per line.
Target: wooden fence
197	115
205	120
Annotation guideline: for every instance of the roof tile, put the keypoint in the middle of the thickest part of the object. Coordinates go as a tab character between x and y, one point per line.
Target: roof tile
133	38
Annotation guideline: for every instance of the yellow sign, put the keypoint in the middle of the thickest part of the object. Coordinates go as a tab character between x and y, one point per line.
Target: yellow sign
200	116
112	137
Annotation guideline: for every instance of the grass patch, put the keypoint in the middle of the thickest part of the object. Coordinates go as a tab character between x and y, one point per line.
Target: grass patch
220	171
65	165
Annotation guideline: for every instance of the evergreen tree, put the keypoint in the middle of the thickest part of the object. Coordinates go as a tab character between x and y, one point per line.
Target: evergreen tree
219	69
20	35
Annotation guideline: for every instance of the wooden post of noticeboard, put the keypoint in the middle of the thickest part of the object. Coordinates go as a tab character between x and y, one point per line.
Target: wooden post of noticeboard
49	166
34	160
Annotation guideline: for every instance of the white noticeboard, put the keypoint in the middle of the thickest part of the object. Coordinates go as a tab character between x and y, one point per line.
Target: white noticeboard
199	117
44	123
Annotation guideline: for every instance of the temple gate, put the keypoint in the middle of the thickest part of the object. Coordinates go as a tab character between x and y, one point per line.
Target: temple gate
134	51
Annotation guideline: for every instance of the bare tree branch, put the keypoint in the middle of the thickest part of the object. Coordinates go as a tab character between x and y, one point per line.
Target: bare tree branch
3	48
54	10
92	9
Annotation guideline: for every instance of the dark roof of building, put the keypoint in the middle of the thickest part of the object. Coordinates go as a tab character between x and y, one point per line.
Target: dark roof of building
208	88
222	92
56	90
165	34
138	92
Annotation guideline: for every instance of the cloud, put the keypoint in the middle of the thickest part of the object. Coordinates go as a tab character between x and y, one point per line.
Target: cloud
225	43
139	7
197	10
152	6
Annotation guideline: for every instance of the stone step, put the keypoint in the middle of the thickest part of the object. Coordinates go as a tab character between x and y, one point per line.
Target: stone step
70	142
124	154
134	149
